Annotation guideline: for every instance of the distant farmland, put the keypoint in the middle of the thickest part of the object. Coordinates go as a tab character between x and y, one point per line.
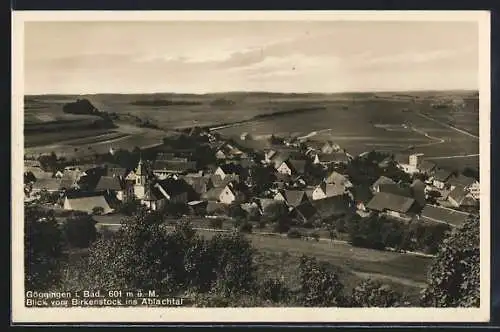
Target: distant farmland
357	121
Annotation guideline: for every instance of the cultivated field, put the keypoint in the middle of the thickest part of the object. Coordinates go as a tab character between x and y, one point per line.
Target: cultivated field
358	121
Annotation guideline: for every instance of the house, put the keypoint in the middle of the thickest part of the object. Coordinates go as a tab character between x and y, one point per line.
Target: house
470	184
426	167
432	213
440	177
396	189
163	168
37	172
111	185
86	203
292	167
225	195
198	208
229	169
50	184
32	163
332	206
305	212
460	196
268	205
380	181
331	158
292	197
216	181
324	190
330	147
337	178
114	171
198	182
409	163
362	196
175	191
153	198
391	205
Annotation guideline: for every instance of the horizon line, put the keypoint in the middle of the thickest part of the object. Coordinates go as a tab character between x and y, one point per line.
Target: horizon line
250	92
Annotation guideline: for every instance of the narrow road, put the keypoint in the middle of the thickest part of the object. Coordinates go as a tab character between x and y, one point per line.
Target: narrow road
454	157
446	125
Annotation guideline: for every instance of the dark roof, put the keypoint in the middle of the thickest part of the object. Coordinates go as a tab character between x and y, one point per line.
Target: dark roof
331	206
338	157
294	197
265	203
174	187
461	180
305	211
362	194
402	158
152	193
442	175
174	166
232	168
37	172
108	183
198	183
441	214
387	201
298	166
426	166
383	180
215	206
395	189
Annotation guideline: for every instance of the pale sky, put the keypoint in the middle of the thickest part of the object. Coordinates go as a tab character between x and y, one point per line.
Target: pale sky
203	57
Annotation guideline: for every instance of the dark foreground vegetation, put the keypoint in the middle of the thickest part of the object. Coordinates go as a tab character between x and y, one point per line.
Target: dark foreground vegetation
223	270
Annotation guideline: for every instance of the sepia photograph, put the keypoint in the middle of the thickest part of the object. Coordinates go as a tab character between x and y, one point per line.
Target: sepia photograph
250	166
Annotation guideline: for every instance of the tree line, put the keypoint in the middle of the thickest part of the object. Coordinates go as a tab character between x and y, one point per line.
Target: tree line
219	271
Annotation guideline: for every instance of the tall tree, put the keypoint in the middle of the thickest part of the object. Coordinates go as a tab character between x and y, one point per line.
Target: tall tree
43	249
453	279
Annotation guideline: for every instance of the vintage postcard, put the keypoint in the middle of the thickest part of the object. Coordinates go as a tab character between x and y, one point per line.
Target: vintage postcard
314	166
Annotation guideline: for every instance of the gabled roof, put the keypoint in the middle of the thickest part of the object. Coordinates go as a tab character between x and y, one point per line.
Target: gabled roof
426	166
441	214
330	206
151	193
266	203
395	189
218	181
461	180
279	158
442	175
174	187
386	201
298	166
294	197
335	157
50	184
37	172
383	180
108	183
336	177
402	158
198	183
87	203
214	193
362	194
232	168
458	194
332	189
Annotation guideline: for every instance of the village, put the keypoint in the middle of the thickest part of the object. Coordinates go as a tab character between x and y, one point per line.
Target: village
200	173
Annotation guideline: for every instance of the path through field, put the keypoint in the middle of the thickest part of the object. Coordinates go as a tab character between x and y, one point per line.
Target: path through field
447	125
